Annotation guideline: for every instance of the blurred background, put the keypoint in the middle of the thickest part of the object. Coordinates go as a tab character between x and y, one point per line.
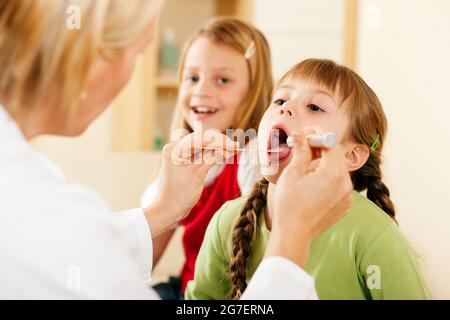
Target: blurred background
401	48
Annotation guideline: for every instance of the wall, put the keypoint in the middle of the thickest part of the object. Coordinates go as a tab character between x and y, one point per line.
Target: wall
403	53
301	29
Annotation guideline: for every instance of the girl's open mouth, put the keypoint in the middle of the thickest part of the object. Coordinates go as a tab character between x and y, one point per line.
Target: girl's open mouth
277	148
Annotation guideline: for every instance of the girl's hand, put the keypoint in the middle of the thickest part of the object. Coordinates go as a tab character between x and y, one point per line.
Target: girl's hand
308	200
183	171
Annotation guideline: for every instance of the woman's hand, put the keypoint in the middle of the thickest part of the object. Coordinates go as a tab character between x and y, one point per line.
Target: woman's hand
183	171
308	199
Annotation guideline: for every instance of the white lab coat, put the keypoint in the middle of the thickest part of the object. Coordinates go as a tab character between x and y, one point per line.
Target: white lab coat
59	240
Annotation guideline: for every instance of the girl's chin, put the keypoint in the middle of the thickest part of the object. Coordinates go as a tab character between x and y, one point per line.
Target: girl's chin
206	119
204	124
271	172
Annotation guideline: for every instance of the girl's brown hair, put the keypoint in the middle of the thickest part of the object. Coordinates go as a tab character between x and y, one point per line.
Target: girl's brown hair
244	38
367	126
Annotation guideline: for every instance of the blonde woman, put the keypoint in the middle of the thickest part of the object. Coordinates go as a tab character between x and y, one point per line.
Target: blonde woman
59	240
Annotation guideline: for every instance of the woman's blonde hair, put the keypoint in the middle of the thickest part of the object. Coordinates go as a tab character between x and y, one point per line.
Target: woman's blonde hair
253	46
367	126
40	53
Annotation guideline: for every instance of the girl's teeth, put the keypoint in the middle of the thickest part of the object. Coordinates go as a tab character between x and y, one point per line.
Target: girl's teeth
202	109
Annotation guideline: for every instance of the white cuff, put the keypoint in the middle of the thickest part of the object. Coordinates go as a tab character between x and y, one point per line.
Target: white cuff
278	278
139	240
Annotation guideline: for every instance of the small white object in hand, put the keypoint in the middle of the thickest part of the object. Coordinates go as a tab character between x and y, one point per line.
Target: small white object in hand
318	140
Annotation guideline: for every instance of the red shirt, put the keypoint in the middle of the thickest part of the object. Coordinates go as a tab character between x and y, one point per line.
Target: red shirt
224	188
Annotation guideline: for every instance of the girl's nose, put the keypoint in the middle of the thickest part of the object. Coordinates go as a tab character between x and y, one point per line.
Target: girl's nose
202	89
286	110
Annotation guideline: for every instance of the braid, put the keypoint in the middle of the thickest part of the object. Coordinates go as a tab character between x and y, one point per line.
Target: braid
369	177
243	235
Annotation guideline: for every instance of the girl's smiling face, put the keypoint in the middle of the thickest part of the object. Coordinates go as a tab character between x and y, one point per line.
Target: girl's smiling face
296	104
215	81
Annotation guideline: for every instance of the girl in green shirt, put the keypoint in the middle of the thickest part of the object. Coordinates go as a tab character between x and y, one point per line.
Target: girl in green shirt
363	256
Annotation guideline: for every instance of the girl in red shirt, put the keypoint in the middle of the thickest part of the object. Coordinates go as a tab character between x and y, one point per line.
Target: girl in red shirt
225	82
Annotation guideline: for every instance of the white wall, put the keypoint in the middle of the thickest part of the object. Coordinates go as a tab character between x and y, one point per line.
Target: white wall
300	29
403	53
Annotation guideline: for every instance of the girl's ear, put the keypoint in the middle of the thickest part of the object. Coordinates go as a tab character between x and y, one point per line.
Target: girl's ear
356	156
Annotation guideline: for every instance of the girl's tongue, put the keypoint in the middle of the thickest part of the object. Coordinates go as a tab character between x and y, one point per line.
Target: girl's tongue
277	148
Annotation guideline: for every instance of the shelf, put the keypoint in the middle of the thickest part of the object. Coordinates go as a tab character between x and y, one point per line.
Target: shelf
167	82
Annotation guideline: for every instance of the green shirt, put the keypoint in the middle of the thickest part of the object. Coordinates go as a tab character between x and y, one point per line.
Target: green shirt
362	256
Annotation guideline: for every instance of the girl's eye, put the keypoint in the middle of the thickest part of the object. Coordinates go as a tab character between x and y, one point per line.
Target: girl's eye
314	108
223	81
280	102
192	79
